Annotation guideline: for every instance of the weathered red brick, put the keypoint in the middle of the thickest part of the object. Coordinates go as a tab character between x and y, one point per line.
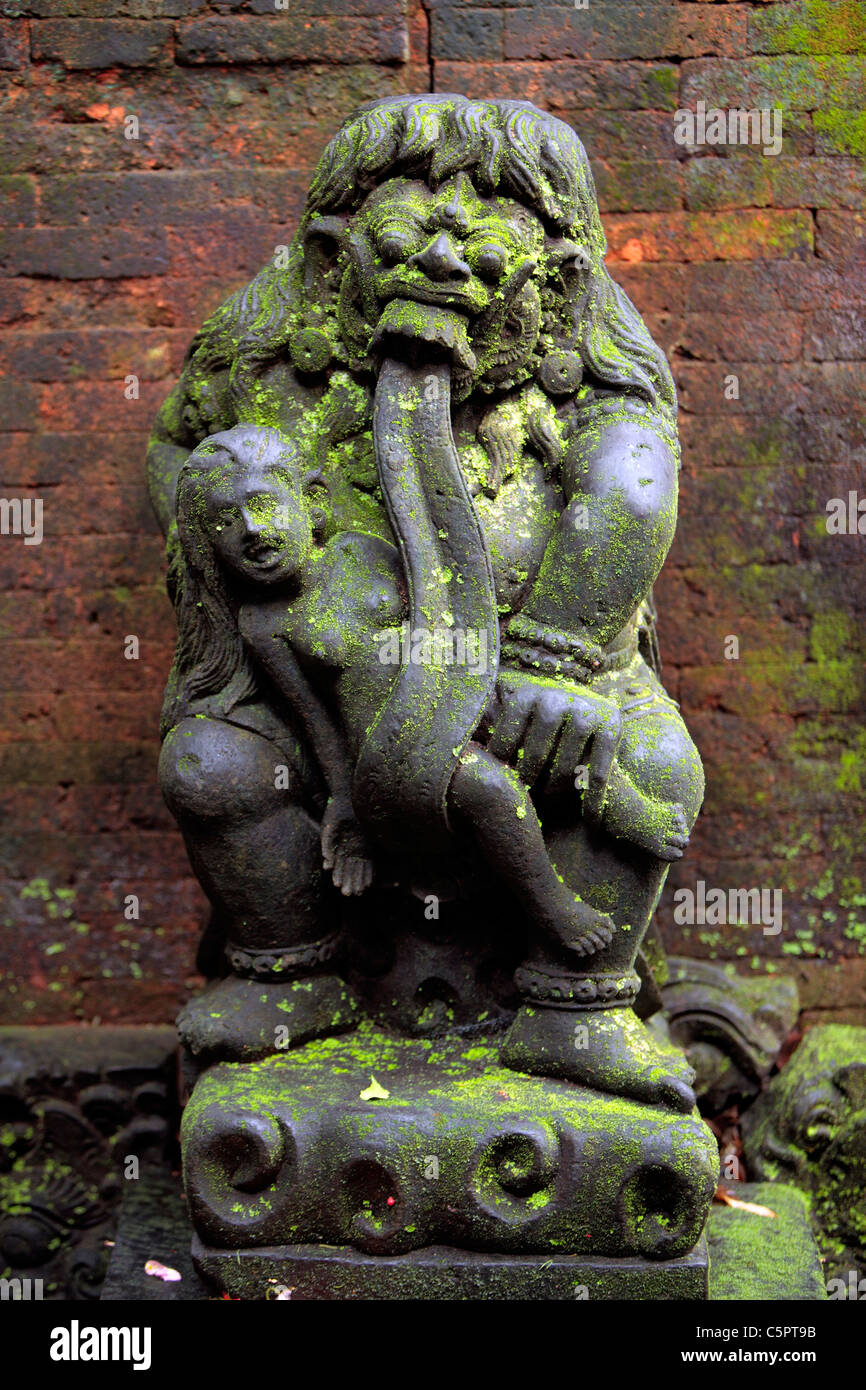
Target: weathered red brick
287	36
93	664
14	45
118	715
656	288
746	337
17	200
751	535
82	255
615	135
819	282
372	9
841	334
119	560
829	438
165	301
40	764
163	197
106	9
638	185
102	43
70	510
237	126
610	30
841	237
839	131
725	440
680	236
99	458
112	352
459	31
19	404
64	405
818	183
789	83
817	387
833	26
711	183
235	244
564	86
144	608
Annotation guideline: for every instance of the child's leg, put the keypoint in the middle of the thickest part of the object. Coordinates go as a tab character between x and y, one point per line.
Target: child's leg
490	798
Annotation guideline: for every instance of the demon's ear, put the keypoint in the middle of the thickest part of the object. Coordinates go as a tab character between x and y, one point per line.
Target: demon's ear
314	483
310	347
314	486
566	261
323	239
851	1081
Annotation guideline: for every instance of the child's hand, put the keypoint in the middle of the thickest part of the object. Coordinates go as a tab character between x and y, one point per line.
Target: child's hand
344	849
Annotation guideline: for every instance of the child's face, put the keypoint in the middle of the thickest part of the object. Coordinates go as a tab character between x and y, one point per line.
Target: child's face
259	525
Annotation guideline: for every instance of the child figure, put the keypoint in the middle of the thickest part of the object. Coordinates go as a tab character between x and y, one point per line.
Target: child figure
311	616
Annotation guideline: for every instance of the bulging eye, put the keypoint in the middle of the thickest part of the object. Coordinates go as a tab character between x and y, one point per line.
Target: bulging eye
488	260
393	248
818	1127
395	244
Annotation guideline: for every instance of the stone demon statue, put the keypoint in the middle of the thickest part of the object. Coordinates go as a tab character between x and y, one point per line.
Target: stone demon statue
418	479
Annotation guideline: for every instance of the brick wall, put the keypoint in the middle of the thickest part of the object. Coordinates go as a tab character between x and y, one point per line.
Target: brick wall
155	151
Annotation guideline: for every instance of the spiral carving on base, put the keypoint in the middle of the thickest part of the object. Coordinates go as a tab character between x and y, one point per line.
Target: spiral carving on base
237	1169
514	1172
656	1209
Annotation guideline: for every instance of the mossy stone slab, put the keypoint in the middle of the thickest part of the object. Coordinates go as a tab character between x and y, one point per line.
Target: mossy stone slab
762	1257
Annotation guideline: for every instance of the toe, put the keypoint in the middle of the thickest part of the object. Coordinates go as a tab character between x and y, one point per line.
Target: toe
677	1094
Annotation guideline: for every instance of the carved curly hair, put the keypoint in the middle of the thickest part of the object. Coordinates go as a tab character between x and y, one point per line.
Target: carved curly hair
506	147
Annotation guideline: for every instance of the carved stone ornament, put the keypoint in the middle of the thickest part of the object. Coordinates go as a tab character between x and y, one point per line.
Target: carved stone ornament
808	1129
417	480
731	1026
82	1112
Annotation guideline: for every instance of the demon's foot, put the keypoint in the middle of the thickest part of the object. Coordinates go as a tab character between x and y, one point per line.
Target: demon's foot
604	1049
238	1020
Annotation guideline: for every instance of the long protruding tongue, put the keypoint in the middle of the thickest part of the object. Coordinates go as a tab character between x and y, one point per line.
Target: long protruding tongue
412	750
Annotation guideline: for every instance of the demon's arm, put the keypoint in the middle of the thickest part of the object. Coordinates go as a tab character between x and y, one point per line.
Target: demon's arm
619	477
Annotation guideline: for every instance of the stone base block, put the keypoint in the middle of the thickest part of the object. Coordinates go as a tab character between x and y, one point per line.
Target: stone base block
440	1273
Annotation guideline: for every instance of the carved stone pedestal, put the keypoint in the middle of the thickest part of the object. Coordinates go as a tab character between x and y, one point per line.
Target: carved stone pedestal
380	1167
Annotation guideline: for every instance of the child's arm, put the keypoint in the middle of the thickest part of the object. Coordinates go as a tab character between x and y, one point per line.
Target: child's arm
344	849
